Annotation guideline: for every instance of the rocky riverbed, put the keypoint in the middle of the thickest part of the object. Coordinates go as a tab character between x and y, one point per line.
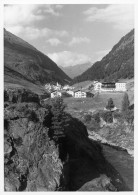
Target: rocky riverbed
120	142
121	157
119	133
122	162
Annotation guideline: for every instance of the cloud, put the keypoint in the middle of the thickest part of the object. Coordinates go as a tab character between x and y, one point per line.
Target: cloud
53	9
67	58
21	19
15	15
61	33
54	41
32	33
78	40
59	6
120	16
29	33
26	14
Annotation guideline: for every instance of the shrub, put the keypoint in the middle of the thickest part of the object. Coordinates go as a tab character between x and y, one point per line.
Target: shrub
91	87
20	95
97	117
89	94
117	115
44	96
129	116
110	104
87	118
107	117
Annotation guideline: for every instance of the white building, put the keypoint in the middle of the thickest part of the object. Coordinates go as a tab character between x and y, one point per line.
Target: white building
95	82
57	87
71	87
66	87
79	94
70	92
51	87
120	87
97	86
109	86
56	94
48	87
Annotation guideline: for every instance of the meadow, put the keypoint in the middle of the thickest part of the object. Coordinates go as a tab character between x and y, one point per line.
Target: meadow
98	102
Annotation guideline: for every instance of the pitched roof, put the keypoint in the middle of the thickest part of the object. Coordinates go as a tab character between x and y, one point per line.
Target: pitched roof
79	90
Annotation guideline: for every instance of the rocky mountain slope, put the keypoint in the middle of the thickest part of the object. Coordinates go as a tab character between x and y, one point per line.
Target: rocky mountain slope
117	64
73	71
25	65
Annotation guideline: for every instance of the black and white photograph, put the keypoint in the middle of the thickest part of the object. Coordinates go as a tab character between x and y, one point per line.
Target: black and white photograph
68	97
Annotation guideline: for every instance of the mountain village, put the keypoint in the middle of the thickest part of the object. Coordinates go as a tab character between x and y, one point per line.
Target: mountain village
95	87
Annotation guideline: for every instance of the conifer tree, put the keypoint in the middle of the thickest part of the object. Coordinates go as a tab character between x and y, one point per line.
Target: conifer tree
58	119
125	103
110	104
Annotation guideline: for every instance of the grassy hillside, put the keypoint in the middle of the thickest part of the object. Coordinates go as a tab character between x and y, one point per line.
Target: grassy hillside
83	84
25	64
117	64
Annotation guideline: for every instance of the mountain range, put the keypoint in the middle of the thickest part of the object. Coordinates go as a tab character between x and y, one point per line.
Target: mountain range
73	71
117	64
25	65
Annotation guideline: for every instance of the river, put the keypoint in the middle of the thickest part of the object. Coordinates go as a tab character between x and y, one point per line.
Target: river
122	162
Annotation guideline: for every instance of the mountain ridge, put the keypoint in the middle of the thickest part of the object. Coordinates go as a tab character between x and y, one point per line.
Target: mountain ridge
117	64
73	71
24	62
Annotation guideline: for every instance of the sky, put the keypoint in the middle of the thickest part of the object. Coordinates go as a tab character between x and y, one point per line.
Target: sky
70	34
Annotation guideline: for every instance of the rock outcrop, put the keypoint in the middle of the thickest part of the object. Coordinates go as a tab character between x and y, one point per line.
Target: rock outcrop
34	161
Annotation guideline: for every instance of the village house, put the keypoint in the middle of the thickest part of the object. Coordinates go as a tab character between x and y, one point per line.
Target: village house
67	87
97	86
109	86
56	94
71	87
120	86
57	86
48	87
79	94
70	92
94	82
